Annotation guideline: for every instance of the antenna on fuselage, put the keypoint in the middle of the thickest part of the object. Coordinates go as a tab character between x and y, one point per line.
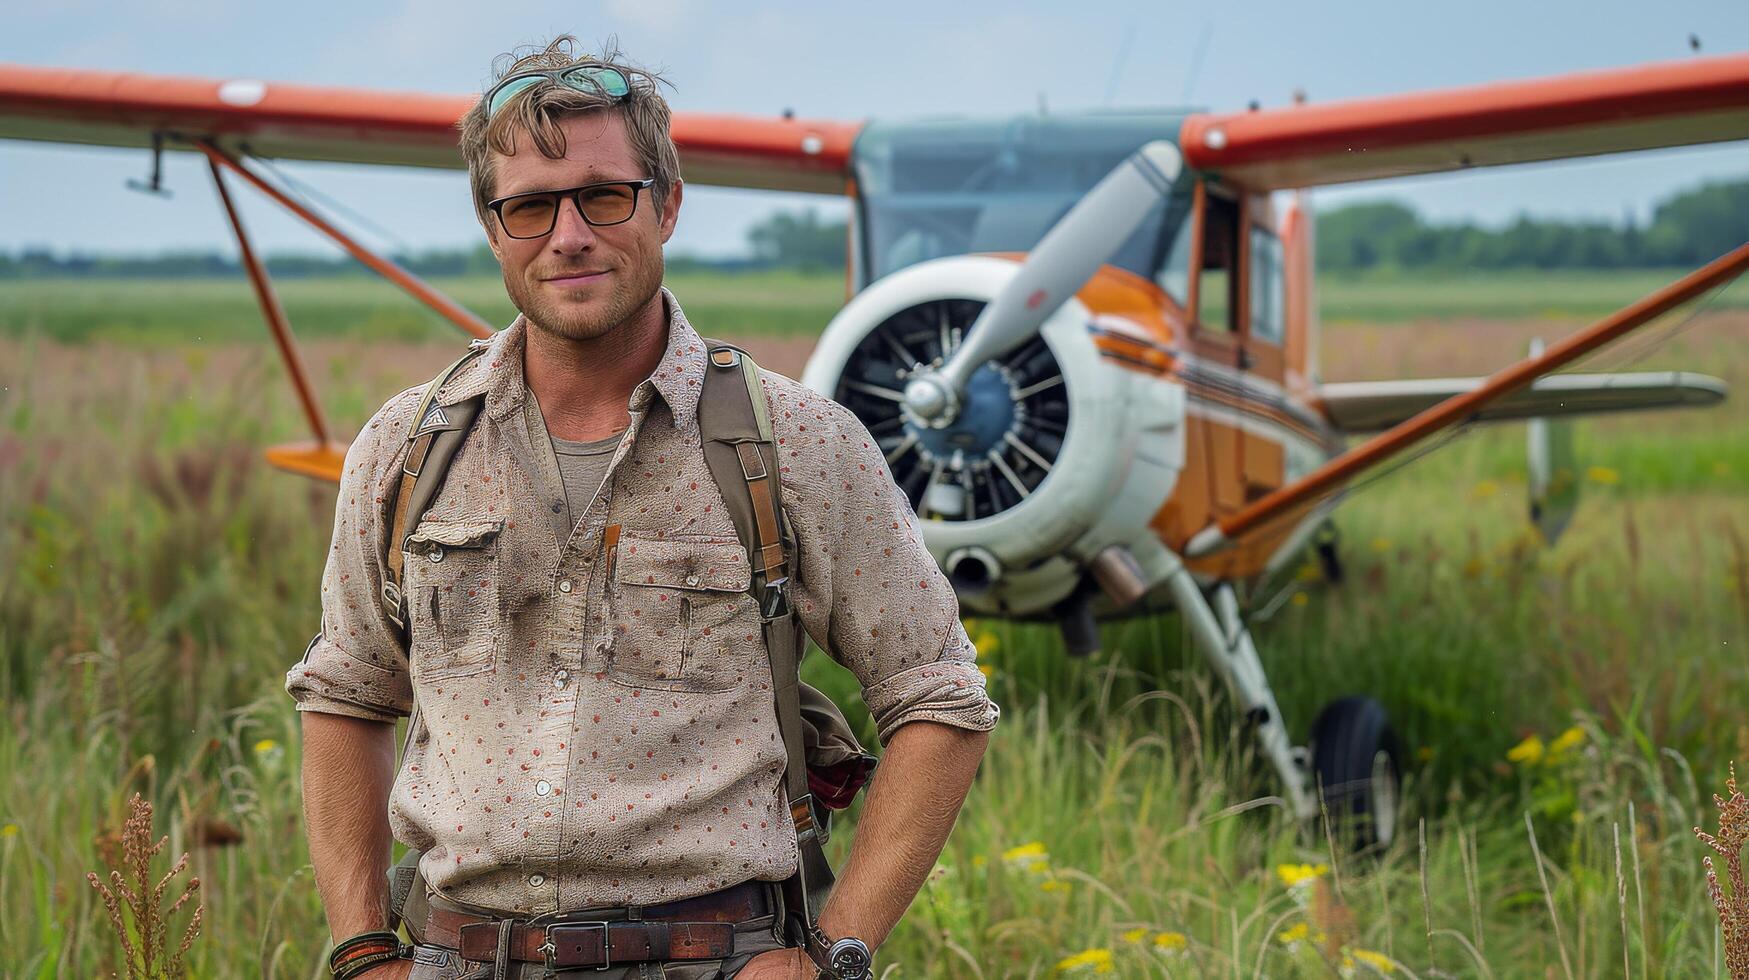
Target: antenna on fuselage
1202	46
1117	65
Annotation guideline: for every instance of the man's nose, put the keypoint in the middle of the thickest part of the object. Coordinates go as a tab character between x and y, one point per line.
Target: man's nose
570	232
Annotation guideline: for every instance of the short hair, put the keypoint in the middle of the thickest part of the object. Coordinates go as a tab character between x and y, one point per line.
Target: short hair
537	110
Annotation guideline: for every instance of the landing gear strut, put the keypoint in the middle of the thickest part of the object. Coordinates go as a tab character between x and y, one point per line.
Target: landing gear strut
1221	635
1353	759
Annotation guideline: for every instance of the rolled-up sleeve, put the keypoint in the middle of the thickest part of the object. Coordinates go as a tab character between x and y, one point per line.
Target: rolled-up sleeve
868	591
357	665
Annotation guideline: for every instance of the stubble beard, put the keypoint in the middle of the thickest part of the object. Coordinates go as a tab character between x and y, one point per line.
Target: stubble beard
639	284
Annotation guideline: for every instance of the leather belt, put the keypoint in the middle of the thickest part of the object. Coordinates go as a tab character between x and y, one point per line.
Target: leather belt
701	928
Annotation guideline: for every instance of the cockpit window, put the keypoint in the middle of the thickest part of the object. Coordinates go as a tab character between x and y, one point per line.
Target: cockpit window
934	189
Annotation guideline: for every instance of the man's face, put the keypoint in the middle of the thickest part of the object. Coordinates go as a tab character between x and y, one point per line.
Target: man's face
580	281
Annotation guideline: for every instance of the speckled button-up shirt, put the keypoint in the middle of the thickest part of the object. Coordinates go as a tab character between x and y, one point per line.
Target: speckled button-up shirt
596	728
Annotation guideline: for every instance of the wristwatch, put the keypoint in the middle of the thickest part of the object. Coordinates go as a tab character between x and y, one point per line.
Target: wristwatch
842	959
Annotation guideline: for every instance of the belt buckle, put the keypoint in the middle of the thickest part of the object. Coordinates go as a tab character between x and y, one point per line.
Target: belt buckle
549	952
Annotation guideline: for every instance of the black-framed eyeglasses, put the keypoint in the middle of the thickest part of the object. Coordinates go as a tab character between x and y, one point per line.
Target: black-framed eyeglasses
532	215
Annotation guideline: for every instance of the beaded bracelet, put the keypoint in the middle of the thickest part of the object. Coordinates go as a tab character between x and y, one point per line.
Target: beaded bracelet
354	956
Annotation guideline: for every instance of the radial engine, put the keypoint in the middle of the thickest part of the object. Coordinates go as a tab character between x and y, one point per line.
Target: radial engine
1037	494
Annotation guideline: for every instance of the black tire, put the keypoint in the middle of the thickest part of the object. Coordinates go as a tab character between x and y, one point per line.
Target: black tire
1356	762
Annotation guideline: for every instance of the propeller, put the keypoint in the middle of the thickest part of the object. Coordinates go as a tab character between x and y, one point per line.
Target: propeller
1068	255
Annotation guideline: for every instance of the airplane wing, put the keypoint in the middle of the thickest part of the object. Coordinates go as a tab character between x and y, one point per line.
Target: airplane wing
1373	406
345	125
1677	103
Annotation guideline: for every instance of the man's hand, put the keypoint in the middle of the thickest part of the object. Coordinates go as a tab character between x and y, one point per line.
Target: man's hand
779	964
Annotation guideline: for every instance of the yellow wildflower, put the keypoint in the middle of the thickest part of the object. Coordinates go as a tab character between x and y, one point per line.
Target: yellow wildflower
979	860
1603	475
1378	962
1294	875
1294	935
1171	942
1301	599
1567	741
1087	961
1136	935
1030	857
985	642
1528	752
1053	885
10	830
987	670
1484	489
265	746
1308	572
1424	754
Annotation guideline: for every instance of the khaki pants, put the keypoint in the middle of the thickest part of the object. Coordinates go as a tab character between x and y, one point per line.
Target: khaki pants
752	937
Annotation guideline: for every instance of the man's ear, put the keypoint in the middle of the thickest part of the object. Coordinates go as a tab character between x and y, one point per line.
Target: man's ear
671	209
492	242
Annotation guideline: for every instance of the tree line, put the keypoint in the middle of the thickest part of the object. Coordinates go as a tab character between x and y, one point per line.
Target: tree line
784	240
1686	229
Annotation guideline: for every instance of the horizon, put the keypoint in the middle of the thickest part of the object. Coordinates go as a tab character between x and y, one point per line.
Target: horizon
1221	58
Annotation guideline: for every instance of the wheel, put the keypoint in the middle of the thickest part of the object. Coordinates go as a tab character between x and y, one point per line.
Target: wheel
1355	761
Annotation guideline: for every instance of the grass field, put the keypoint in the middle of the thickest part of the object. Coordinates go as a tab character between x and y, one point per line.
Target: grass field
161	311
158	580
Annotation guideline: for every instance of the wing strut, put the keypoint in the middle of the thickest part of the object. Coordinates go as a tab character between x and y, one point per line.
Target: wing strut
445	307
1460	407
324	456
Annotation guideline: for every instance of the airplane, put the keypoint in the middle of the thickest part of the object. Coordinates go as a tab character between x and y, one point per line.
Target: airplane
1086	342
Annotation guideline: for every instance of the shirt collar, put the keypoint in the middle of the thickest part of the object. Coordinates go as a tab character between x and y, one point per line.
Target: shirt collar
677	378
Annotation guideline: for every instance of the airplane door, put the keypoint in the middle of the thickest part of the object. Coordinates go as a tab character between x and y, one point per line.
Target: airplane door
1225	403
1263	360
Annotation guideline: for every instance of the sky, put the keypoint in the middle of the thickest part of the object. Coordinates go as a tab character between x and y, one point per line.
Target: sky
833	61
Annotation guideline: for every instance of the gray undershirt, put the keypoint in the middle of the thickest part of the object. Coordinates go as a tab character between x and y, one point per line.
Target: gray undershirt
582	466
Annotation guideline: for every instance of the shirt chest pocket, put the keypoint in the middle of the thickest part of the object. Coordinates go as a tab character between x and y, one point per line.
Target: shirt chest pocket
682	619
452	597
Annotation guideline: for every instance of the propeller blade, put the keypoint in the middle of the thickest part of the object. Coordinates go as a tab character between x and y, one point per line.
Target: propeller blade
1068	255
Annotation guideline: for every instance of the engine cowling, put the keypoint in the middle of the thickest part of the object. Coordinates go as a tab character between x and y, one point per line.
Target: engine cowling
1058	452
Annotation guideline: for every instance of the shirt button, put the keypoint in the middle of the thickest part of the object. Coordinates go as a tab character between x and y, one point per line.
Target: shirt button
543	788
561	677
565	586
692	581
536	881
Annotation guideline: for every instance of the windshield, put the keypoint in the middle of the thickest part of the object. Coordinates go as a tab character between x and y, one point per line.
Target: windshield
950	187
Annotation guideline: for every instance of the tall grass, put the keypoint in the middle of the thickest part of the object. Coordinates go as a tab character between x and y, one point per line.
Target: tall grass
158	580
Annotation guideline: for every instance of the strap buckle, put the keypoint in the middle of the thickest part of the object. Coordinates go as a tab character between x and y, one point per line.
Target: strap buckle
550	952
774	601
393	604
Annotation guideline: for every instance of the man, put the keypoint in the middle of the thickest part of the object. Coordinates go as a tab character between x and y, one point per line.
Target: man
595	726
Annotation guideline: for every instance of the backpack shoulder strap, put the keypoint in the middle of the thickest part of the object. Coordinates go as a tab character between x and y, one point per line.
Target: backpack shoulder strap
741	451
432	441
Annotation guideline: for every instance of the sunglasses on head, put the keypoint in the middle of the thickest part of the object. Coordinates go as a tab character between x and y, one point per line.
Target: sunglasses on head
590	79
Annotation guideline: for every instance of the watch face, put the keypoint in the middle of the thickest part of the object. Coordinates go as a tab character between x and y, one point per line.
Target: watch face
850	957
